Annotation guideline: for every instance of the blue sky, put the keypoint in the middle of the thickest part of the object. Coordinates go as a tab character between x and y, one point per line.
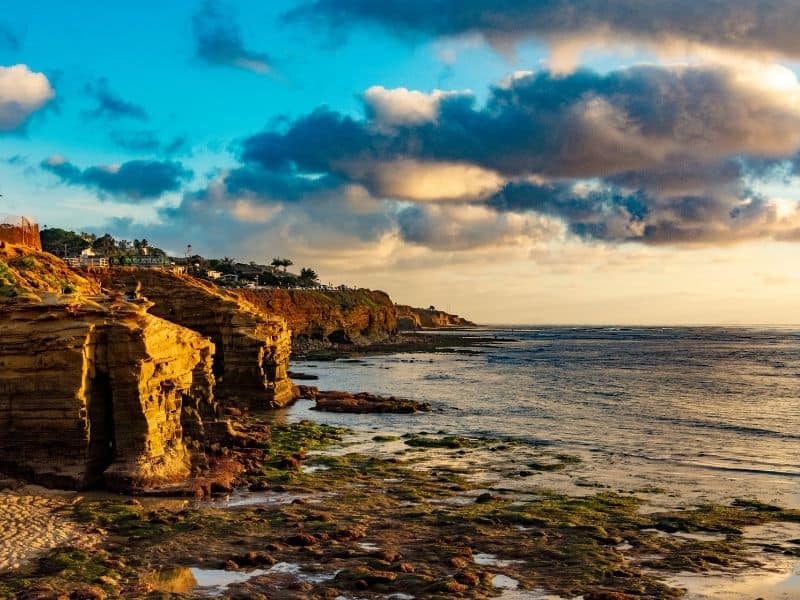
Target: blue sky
477	150
146	53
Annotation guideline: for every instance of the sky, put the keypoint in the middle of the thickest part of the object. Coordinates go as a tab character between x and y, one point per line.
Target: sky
515	161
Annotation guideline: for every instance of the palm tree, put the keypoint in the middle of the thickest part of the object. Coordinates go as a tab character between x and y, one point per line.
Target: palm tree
281	262
308	277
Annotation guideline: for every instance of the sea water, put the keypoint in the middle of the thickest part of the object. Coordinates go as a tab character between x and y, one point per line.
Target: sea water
712	412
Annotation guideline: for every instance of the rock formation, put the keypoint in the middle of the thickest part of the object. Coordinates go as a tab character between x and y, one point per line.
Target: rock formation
411	319
252	346
94	388
91	392
351	316
363	402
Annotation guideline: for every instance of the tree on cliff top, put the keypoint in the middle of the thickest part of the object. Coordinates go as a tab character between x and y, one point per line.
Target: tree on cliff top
308	277
282	262
56	241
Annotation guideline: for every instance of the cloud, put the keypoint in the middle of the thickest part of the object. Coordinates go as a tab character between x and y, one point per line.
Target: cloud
388	108
22	93
219	41
415	180
148	141
612	214
9	38
110	105
470	227
585	124
768	26
137	180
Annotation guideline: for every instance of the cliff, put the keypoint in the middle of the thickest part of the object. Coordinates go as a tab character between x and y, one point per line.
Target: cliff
252	345
93	388
351	316
410	319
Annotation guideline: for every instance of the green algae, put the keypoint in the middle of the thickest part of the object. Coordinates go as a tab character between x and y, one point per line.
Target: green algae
425	541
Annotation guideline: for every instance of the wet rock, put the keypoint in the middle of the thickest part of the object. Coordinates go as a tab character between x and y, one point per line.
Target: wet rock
303	376
231	565
302	539
345	402
469	578
350	533
325	517
255	559
454	587
41	592
406	567
91	592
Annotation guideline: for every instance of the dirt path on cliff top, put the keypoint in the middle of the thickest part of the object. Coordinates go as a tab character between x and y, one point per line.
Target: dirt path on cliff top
33	521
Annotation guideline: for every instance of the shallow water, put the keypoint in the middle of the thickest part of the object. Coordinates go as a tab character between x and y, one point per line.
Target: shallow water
715	411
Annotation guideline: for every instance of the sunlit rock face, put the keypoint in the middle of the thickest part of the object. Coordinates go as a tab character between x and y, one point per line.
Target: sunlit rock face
410	318
252	346
93	392
348	316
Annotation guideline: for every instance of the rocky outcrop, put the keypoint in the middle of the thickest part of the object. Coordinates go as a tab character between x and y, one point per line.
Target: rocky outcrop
411	319
361	403
95	390
252	345
341	317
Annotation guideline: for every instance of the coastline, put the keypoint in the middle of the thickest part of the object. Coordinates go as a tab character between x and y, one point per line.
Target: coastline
376	512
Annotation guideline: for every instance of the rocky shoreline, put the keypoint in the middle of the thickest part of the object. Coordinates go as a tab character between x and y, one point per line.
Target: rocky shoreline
321	512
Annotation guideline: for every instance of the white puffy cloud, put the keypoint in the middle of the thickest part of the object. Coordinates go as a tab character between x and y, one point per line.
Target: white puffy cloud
402	106
22	92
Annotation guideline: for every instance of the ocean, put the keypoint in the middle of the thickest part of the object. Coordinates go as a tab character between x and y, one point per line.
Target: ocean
710	413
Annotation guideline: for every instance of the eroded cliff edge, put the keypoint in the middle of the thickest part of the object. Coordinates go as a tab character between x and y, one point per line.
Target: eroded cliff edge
411	319
252	345
339	317
93	388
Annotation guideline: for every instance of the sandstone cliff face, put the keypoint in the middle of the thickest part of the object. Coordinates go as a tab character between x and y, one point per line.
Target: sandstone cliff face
352	316
410	318
91	392
252	347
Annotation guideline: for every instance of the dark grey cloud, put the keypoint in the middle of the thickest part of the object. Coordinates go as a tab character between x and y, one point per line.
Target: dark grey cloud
137	180
763	25
613	214
582	125
219	42
111	106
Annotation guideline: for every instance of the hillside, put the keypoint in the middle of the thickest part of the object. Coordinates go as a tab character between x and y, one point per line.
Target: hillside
351	316
26	271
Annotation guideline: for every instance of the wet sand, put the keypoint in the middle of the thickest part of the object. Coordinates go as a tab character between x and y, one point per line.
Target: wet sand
33	521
